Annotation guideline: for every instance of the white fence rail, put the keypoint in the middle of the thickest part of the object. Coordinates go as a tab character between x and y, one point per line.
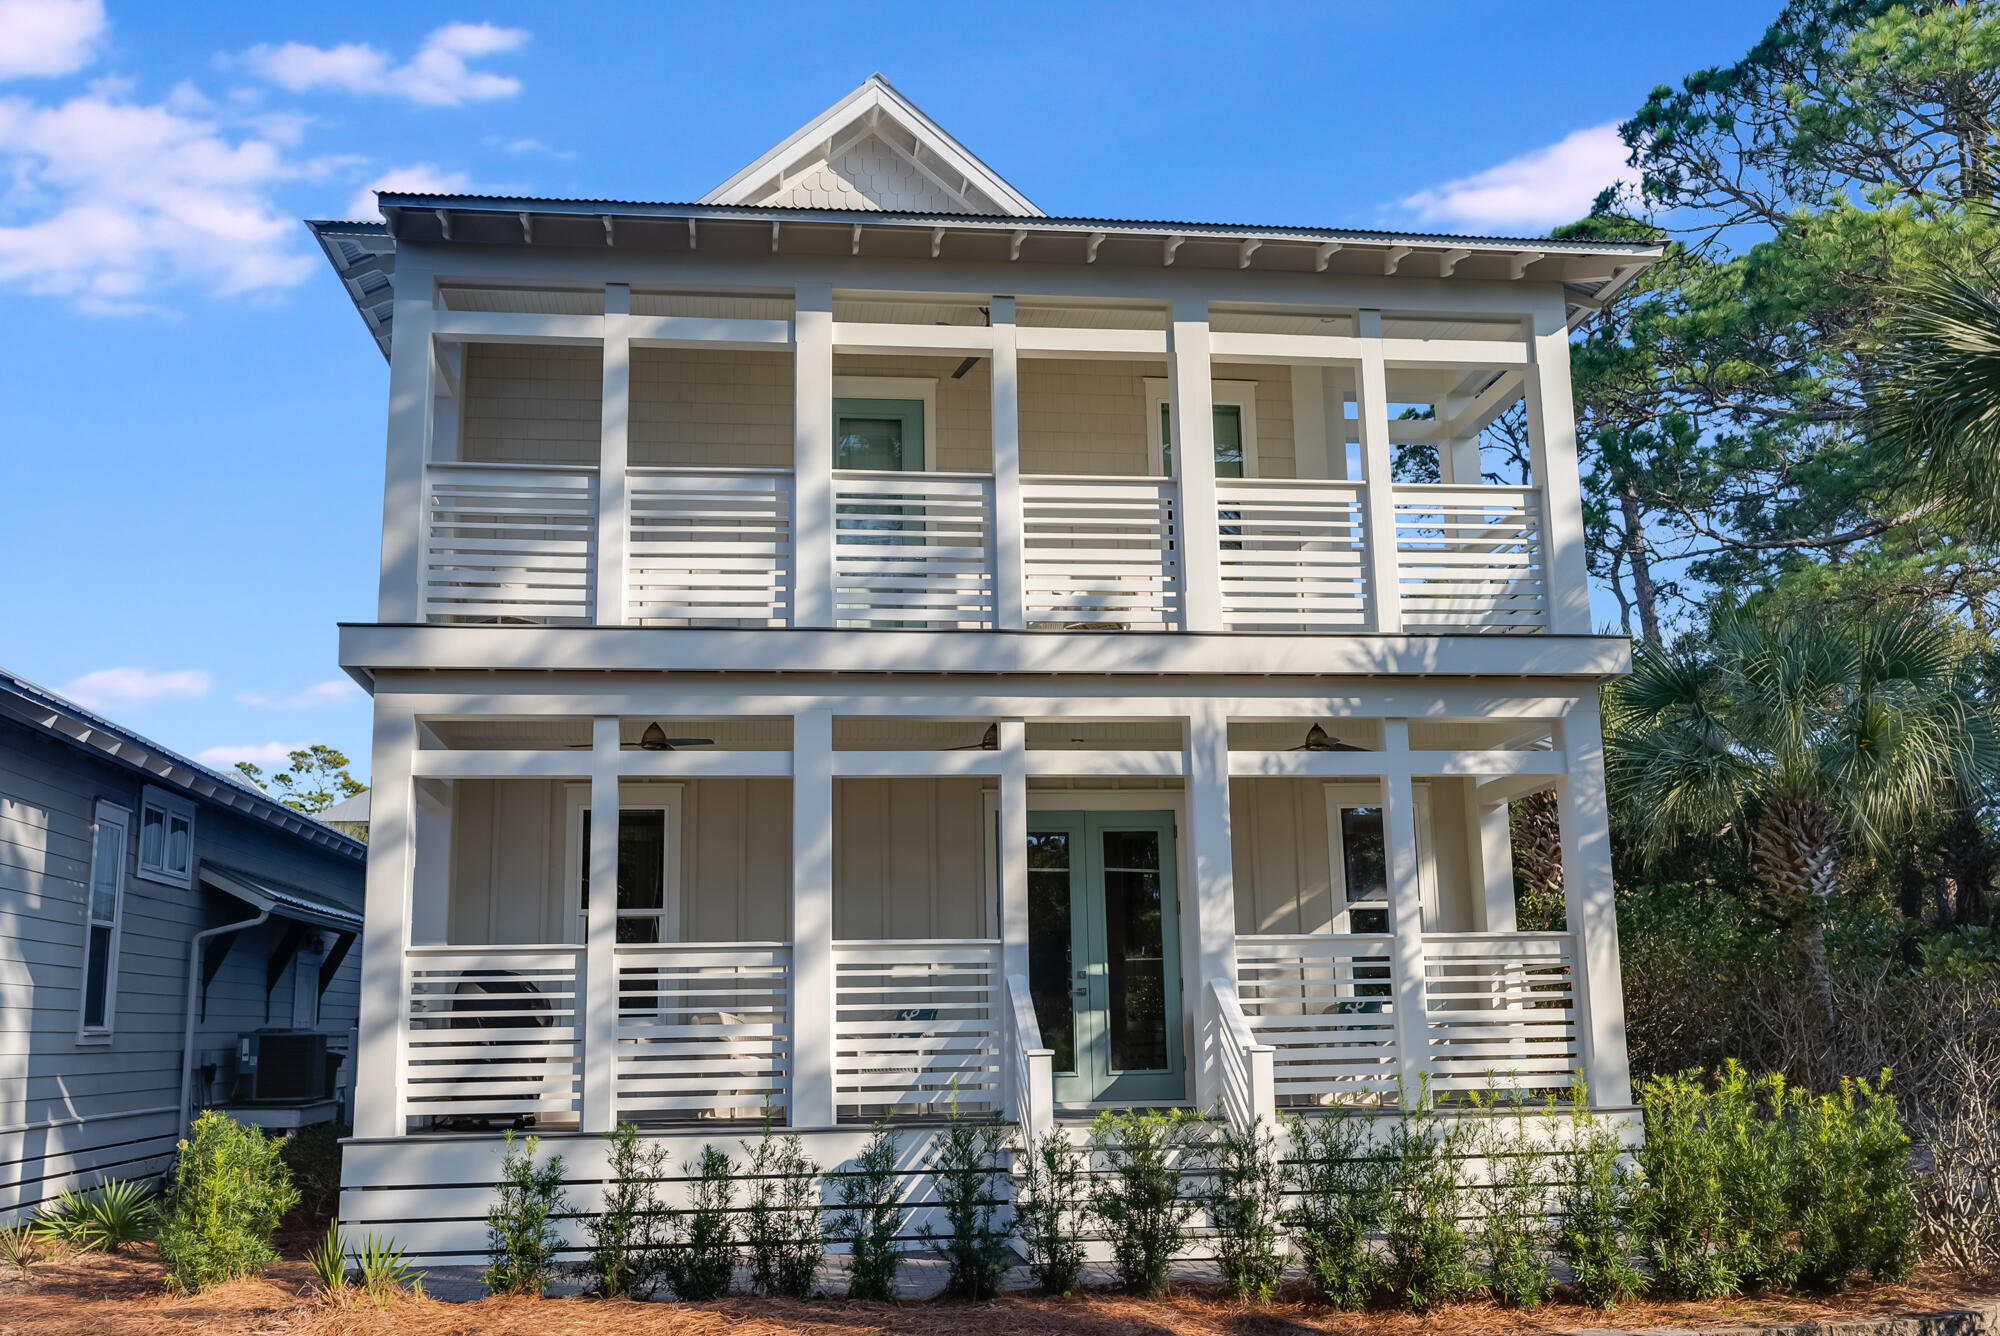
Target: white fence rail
1293	556
704	1030
1031	1066
913	550
1101	552
509	543
710	547
1500	1008
1326	1005
1245	1063
1469	559
916	1025
495	1032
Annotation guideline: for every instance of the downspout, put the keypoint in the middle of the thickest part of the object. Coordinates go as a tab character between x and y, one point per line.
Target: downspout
195	945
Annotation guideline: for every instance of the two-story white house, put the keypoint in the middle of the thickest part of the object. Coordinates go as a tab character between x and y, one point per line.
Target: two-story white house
854	641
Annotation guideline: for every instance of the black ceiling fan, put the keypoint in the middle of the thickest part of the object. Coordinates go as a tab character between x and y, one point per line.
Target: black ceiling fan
1318	740
988	741
653	739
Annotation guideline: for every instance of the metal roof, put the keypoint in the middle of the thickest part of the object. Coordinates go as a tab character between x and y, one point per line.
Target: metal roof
286	901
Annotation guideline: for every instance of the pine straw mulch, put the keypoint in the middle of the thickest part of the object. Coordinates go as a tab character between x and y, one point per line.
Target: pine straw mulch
122	1296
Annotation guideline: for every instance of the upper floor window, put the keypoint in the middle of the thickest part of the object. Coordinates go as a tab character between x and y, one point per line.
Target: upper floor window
108	838
166	838
1235	427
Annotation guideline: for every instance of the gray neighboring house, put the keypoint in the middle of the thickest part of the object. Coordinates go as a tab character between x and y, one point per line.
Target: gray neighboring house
171	939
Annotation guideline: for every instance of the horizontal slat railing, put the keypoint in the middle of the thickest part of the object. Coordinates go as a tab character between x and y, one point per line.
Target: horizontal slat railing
916	1026
505	543
1101	552
1292	554
710	547
1326	1004
913	550
494	1032
704	1030
1470	559
1500	1009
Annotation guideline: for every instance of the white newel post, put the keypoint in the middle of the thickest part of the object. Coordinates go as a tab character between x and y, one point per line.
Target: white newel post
1191	390
1406	907
1552	453
600	935
613	504
405	513
812	919
1013	836
1212	898
1371	406
379	1064
1010	609
812	456
1590	905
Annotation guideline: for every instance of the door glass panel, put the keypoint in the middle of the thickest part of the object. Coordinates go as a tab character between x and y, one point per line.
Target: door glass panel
642	874
869	443
1136	966
1228	440
1049	967
1366	869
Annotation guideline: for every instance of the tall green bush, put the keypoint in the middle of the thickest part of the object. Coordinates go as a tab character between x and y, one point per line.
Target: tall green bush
782	1228
870	1222
1341	1201
1851	1187
1050	1211
1141	1198
700	1255
1427	1260
1680	1212
625	1246
1514	1202
229	1190
1594	1201
1246	1205
521	1239
967	1172
1749	1117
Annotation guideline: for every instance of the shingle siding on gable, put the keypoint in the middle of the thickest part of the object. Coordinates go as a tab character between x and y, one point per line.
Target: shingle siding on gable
866	175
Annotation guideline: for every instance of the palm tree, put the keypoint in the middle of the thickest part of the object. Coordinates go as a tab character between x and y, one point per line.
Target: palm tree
1937	392
1811	737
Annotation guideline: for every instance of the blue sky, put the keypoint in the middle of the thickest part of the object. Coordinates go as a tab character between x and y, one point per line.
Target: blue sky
191	460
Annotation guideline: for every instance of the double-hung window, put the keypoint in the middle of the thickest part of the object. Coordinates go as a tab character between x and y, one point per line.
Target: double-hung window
109	834
166	838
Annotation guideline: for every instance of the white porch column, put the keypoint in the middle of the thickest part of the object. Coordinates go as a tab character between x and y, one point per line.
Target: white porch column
812	456
380	1069
1552	446
1371	395
1590	906
613	505
405	514
1190	388
1494	841
1210	929
1458	456
600	935
812	919
1013	838
1010	610
1406	906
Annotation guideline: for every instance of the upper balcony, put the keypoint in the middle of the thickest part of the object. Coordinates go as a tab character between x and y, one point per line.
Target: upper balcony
622	457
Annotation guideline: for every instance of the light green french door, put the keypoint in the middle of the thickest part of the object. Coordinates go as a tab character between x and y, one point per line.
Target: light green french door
1104	954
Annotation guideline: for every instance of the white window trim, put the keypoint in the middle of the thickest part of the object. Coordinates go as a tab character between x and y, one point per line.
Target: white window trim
170	805
107	813
1238	394
639	796
1370	795
898	387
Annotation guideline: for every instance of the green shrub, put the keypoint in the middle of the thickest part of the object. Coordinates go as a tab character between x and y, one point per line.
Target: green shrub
1593	1207
229	1190
871	1218
1749	1119
700	1256
967	1173
625	1236
64	1223
781	1228
328	1260
312	1154
1514	1204
385	1271
1680	1212
1050	1212
1140	1198
521	1239
1427	1255
19	1248
1342	1200
1246	1206
1851	1187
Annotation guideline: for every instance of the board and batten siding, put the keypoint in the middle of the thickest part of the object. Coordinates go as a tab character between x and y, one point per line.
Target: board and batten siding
70	1112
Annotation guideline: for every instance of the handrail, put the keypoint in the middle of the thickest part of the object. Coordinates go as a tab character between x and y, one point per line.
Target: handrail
1033	1065
704	470
1249	1084
507	466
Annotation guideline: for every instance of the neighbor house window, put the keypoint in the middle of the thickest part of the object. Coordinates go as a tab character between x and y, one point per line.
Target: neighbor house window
106	902
166	838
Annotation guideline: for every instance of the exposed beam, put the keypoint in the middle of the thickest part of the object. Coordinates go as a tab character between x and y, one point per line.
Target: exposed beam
937	242
855	248
1517	264
1322	253
1013	243
1173	244
1090	247
1393	257
527	229
853	336
609	236
1448	262
1051	341
685	331
691	236
774	236
444	222
1249	248
516	327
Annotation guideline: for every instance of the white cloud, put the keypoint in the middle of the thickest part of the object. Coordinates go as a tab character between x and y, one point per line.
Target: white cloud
122	198
45	38
264	755
438	75
1551	185
337	691
424	178
125	688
